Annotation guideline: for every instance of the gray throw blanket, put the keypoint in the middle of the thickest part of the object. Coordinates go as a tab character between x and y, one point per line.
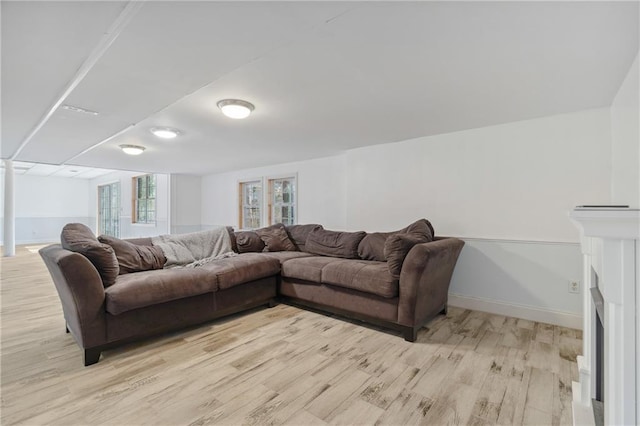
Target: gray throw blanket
194	249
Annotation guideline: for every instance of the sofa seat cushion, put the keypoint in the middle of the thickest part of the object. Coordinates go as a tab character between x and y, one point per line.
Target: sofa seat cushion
141	289
283	256
306	268
241	269
363	275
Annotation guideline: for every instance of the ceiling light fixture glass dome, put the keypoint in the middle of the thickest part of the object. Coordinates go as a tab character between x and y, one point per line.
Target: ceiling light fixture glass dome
132	149
165	132
235	108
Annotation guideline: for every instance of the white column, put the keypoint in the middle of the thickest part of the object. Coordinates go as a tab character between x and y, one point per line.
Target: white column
9	211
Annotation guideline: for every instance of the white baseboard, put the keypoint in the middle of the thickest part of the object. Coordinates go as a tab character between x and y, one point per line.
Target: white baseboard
564	319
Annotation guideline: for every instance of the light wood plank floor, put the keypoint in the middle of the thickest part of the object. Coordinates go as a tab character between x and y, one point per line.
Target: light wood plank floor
280	366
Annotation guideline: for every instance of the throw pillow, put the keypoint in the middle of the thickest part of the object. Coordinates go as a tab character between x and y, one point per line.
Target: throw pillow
396	249
79	238
248	242
133	257
334	243
275	238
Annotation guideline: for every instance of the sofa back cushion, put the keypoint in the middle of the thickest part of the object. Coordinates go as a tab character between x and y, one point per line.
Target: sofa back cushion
398	245
275	238
372	246
232	237
141	241
248	242
422	227
133	257
396	249
299	234
334	243
79	238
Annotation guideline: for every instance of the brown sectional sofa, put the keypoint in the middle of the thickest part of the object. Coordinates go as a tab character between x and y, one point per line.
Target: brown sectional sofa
364	289
144	303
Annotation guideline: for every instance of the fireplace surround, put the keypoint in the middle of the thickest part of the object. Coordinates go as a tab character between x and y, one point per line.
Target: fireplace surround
610	246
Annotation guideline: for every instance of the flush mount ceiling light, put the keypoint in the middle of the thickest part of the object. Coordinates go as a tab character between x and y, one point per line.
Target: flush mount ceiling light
132	149
235	108
165	132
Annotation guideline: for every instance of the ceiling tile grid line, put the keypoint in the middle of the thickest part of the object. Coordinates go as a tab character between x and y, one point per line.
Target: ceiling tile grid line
115	135
54	170
106	41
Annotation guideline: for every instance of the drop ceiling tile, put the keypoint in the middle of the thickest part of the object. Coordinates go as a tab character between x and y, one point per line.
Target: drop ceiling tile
43	45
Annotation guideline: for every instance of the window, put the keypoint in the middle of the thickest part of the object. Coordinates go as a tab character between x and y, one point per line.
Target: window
282	201
144	199
250	204
280	198
109	209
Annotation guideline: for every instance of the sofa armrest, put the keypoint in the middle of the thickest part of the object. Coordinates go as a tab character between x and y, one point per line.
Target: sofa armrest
424	280
81	292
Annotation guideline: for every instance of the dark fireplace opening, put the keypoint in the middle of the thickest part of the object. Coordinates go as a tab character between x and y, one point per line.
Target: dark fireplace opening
599	358
598	401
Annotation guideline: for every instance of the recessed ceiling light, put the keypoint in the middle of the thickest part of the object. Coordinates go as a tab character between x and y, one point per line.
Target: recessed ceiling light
165	132
235	108
78	109
132	149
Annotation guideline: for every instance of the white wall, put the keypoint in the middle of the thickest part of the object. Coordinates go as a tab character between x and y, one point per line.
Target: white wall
514	181
523	279
43	205
625	145
186	203
321	192
128	229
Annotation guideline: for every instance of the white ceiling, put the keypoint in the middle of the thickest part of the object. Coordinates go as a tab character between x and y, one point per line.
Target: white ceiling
324	76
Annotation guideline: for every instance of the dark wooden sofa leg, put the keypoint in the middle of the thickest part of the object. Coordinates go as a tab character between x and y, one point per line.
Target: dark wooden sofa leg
444	310
66	329
272	303
410	334
91	356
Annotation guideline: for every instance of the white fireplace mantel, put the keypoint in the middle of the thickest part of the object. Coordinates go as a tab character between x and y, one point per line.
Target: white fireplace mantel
610	240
